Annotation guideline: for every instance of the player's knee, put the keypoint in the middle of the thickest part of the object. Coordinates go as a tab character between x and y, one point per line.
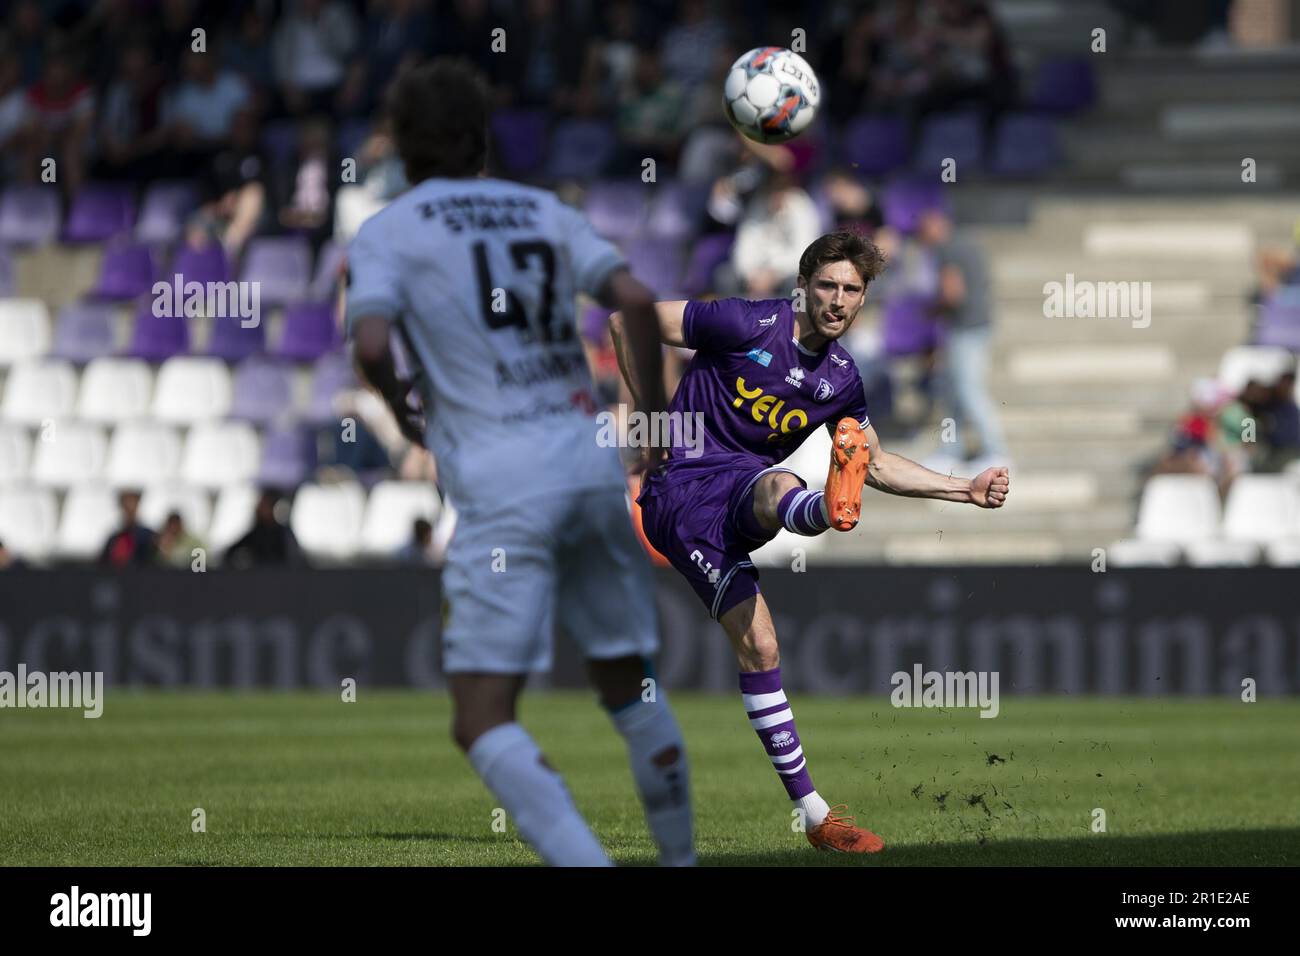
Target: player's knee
765	652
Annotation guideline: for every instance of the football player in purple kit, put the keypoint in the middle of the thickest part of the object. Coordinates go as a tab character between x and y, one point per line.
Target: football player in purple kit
766	374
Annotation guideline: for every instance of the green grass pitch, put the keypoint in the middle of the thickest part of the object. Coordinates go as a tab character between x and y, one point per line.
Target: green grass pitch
305	779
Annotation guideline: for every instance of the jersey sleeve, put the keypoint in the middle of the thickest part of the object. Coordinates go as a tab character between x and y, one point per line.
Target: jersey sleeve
374	282
593	258
855	406
719	325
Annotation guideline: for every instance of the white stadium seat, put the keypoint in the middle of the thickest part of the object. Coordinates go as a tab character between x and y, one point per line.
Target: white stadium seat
1178	508
1220	553
115	390
221	453
1284	553
391	511
24	329
191	389
1131	553
28	521
160	500
142	453
326	519
232	516
1242	363
1262	508
39	391
68	453
15	454
90	515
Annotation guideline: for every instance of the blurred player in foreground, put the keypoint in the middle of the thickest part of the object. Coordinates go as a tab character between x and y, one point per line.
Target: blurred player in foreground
478	276
764	375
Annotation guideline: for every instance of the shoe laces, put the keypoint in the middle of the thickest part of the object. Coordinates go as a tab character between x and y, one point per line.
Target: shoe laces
835	817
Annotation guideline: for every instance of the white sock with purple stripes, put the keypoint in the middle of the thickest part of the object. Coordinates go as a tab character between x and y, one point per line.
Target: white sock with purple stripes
772	719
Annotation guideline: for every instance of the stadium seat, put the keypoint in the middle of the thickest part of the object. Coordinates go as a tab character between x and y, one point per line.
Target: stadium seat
281	265
657	263
69	452
126	271
876	145
263	391
326	519
191	390
353	205
1179	509
904	201
390	514
100	212
90	515
1279	321
1131	553
707	253
29	518
331	374
38	391
677	211
163	211
1245	362
115	390
1064	86
205	265
1025	144
84	331
220	453
329	263
520	140
15	455
160	500
1220	553
618	209
30	215
24	329
1284	553
280	141
156	338
232	516
580	149
1262	508
958	136
233	341
141	453
288	457
310	331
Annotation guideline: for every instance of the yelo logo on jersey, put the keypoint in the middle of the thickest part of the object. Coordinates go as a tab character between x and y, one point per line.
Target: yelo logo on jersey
794	420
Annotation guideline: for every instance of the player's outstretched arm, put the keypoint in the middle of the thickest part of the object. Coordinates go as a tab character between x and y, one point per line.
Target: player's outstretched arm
897	475
373	357
667	328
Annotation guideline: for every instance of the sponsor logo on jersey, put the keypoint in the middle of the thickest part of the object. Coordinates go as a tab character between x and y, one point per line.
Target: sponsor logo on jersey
795	377
841	362
782	738
761	357
768	321
768	408
824	391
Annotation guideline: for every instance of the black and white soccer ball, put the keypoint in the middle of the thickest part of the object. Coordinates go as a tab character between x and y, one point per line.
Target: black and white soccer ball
771	94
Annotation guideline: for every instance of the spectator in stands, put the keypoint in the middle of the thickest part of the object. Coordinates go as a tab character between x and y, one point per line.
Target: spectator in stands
845	69
60	117
852	205
235	187
964	303
419	550
10	561
1199	445
396	33
132	544
1277	422
27	29
269	543
779	222
132	137
611	58
201	112
312	45
690	45
176	544
650	117
247	51
309	204
13	109
973	64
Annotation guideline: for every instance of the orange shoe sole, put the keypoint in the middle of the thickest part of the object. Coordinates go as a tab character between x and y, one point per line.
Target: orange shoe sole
850	457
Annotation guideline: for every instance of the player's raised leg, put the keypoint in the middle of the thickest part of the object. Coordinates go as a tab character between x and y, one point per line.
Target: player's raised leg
752	634
513	767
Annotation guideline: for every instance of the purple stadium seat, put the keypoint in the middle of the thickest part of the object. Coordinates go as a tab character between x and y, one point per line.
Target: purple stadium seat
309	331
958	136
157	337
127	271
331	374
908	326
520	137
164	210
580	149
262	391
100	212
1279	320
200	265
905	199
280	141
677	210
29	215
1064	86
658	264
617	209
329	261
876	145
1025	145
707	254
84	331
288	457
232	341
281	265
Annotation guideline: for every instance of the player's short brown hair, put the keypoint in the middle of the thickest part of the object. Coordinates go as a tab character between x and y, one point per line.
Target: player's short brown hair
868	260
438	113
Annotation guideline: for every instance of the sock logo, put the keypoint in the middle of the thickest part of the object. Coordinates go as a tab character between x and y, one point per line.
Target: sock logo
782	738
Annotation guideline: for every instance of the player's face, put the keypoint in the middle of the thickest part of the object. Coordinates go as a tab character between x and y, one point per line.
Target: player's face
835	296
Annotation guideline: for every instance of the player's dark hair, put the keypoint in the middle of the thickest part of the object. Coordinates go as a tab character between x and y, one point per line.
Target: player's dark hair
839	246
438	113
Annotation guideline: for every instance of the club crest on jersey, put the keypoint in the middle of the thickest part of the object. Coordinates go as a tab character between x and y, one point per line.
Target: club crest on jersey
795	377
824	391
761	357
768	321
782	738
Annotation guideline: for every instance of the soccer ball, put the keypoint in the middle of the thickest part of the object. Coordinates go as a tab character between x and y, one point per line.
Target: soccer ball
771	94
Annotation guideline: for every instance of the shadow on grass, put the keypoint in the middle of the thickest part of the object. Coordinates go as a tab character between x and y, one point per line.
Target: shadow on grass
1279	847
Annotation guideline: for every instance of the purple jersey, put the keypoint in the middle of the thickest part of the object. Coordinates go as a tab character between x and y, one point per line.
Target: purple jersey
760	392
